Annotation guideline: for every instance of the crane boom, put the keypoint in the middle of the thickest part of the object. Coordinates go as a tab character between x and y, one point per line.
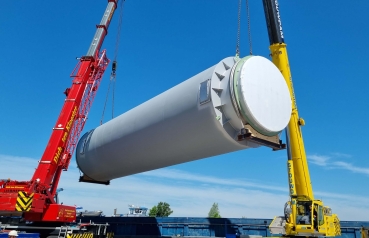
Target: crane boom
305	216
34	199
301	186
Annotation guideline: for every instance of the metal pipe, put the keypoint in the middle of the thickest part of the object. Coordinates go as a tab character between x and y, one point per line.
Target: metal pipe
199	118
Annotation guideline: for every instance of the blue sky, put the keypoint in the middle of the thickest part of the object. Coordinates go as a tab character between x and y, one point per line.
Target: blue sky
164	43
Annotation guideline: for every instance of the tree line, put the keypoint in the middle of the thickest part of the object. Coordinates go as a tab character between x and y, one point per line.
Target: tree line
163	210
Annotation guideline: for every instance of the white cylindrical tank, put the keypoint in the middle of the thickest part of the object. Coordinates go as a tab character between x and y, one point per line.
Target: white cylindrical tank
199	118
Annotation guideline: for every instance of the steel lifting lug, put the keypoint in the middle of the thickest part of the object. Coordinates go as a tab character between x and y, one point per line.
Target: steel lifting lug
301	122
66	92
114	66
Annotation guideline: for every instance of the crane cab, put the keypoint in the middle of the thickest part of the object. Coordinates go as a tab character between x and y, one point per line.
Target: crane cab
307	218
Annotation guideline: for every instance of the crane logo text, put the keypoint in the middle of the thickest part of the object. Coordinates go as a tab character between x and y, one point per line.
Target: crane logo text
69	124
291	181
279	19
57	154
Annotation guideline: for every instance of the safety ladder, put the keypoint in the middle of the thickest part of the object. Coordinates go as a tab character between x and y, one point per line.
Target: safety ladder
63	231
3	226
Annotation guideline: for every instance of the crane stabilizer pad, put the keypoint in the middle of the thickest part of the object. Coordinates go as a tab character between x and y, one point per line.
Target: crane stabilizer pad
87	179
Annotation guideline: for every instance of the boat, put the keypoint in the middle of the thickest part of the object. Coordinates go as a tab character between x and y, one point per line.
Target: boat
87	213
133	211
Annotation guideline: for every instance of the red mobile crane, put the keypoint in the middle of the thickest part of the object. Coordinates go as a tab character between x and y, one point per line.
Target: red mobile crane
34	199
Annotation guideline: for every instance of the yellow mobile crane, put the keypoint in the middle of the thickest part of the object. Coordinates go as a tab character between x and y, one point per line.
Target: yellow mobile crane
303	215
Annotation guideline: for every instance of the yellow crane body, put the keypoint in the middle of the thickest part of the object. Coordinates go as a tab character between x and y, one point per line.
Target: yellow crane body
302	186
303	215
307	216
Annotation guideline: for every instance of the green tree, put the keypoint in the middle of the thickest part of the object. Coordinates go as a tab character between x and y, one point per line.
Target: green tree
153	211
160	210
214	211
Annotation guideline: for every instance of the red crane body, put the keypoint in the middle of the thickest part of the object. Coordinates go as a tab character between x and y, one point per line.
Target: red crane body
34	199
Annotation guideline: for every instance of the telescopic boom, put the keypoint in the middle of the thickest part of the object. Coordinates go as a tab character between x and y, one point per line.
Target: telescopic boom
304	216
